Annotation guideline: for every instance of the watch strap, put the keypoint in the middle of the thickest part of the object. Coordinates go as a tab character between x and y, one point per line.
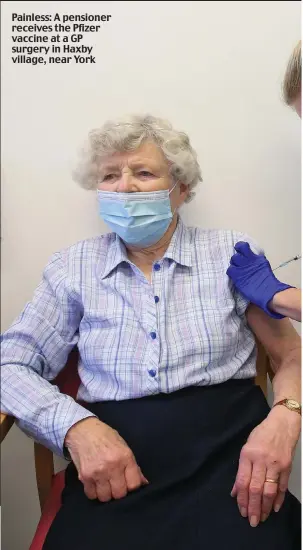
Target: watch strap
287	404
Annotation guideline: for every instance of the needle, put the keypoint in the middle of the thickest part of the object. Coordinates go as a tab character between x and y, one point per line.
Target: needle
288	262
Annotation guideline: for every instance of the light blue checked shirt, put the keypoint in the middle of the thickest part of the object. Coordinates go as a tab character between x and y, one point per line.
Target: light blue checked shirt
135	338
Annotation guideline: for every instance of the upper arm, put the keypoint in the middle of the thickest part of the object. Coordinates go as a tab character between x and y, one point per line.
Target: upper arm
241	302
44	333
278	337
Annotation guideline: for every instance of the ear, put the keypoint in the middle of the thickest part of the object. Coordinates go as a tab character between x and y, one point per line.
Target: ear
184	191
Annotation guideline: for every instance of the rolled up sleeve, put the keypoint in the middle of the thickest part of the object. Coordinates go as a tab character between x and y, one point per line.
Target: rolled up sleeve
33	352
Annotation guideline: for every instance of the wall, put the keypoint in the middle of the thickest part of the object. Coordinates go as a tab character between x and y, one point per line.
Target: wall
214	69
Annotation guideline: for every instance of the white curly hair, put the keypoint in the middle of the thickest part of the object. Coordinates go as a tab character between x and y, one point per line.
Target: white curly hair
127	134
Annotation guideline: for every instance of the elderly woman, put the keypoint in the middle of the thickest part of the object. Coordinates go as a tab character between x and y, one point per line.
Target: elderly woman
173	445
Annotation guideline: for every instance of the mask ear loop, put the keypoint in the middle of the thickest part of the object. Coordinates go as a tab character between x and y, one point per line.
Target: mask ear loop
173	213
173	188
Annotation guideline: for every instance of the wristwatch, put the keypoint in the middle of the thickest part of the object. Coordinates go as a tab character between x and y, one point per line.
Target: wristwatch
66	453
291	404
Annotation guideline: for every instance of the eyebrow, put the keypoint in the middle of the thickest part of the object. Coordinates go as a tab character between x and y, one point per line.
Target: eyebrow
108	167
134	164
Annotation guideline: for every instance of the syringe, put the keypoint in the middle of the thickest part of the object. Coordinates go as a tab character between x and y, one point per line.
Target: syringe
288	262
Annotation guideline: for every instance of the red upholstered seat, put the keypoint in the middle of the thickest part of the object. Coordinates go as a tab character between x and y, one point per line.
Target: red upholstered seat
50	510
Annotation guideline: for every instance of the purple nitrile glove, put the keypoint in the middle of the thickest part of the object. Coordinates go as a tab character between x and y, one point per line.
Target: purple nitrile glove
253	277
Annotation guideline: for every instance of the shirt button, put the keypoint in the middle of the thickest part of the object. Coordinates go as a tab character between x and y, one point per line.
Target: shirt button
157	299
153	335
152	373
157	267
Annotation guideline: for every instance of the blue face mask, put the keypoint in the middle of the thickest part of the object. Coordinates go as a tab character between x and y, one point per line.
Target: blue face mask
140	219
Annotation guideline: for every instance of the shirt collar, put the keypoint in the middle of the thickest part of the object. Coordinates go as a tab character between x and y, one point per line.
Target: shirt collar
116	255
179	250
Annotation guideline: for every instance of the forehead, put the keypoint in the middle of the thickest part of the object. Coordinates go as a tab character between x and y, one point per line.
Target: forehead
297	105
147	154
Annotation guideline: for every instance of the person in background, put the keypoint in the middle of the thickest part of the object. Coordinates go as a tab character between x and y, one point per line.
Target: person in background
251	273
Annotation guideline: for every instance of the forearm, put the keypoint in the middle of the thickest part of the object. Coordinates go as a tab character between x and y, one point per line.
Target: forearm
288	303
40	410
287	385
287	378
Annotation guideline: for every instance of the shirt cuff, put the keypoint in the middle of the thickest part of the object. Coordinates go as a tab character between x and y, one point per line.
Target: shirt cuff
59	424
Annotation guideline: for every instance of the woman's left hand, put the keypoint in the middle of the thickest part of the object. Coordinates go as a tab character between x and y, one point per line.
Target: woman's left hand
267	454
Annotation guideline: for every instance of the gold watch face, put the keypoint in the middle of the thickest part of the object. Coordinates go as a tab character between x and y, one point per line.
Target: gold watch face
293	404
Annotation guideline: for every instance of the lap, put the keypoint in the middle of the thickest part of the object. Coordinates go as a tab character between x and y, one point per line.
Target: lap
177	517
189	452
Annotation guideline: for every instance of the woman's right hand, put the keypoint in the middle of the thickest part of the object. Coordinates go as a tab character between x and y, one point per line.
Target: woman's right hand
106	466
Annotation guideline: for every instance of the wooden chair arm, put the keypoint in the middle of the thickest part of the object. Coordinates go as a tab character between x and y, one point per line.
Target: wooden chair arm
6	423
264	368
44	464
43	460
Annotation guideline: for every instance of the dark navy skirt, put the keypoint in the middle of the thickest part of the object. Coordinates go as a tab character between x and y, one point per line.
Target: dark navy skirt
188	445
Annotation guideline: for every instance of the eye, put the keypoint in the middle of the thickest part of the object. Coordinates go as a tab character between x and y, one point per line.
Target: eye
108	177
145	173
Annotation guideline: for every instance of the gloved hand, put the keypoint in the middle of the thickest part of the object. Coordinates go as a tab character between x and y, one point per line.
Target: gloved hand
253	277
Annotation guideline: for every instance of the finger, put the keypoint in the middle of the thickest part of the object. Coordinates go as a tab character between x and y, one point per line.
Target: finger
118	485
133	476
244	249
283	485
270	491
242	484
103	488
278	503
144	480
256	493
284	480
237	260
230	272
90	490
